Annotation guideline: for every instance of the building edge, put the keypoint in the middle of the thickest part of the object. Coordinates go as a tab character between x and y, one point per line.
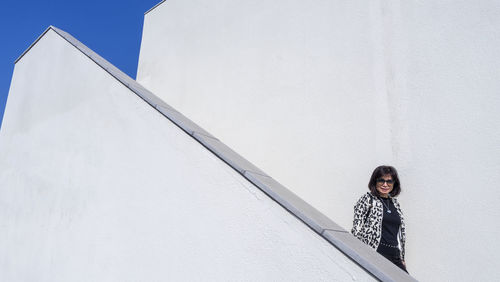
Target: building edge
338	237
154	7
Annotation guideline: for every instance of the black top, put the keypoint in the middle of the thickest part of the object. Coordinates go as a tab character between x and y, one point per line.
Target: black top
390	223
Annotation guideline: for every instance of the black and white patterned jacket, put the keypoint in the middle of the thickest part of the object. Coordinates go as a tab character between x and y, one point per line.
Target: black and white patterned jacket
367	224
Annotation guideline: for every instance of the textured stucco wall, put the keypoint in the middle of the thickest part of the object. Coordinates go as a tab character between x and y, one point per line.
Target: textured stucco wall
96	185
278	83
318	93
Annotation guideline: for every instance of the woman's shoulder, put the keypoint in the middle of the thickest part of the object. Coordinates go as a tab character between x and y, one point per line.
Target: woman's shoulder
395	201
366	198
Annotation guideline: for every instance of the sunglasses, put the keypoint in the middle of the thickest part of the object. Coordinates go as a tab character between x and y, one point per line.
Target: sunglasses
382	181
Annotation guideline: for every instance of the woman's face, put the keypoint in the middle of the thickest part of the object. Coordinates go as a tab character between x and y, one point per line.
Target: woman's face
385	185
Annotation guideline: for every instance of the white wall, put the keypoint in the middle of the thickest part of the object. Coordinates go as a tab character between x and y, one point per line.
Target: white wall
318	93
96	185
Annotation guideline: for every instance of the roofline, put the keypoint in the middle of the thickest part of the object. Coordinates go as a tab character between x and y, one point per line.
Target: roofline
51	27
33	44
154	7
360	253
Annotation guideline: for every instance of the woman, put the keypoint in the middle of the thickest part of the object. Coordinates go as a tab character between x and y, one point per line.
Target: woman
378	220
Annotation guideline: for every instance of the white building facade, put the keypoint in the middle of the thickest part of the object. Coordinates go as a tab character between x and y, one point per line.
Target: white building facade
98	185
319	93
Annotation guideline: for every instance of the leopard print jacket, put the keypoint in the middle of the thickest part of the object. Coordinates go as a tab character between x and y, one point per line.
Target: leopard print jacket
367	224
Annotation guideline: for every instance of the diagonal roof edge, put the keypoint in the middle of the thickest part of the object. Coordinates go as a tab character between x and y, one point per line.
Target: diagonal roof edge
353	248
32	44
154	7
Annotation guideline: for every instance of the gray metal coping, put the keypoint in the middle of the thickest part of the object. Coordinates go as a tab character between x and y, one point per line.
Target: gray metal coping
359	252
154	7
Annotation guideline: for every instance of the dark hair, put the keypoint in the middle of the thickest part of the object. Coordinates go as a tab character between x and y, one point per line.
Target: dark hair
378	173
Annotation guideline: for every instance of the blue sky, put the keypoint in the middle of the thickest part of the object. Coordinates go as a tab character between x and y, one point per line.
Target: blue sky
111	28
